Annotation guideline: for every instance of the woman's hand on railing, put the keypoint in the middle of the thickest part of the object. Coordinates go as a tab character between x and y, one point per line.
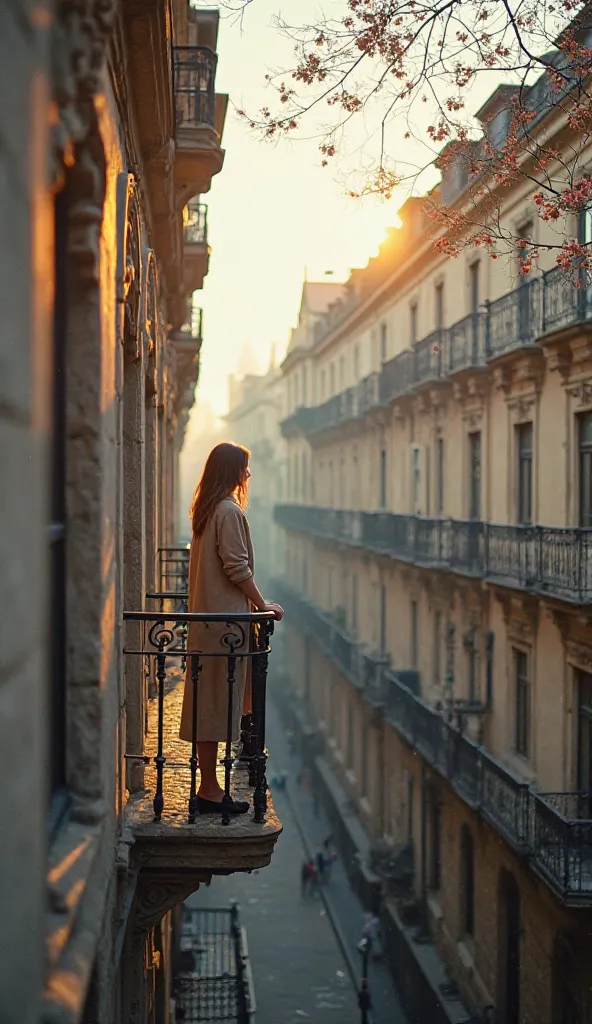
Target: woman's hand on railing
276	610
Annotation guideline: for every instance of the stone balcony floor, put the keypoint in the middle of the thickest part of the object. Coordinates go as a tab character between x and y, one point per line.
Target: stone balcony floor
252	842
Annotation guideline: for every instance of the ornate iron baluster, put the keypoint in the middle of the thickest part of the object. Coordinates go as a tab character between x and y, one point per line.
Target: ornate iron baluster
193	803
260	661
160	759
227	759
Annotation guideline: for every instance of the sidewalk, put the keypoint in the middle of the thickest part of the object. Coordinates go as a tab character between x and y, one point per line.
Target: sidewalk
342	904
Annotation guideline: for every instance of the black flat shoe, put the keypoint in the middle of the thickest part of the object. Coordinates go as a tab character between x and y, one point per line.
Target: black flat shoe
215	806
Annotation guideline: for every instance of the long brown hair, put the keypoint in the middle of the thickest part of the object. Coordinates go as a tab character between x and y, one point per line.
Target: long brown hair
224	474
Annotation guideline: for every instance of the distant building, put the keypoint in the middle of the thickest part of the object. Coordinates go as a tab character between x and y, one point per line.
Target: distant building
253	418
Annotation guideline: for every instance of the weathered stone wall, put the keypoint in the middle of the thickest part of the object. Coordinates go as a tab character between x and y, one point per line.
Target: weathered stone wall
25	374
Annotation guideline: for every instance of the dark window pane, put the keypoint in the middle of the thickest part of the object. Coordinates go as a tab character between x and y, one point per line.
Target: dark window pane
475	475
522	698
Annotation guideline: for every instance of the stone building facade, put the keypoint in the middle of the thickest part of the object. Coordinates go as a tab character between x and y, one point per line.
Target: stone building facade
111	132
438	553
254	414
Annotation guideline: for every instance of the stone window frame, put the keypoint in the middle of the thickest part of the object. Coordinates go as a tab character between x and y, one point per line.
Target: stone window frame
578	658
579	399
520	636
522	410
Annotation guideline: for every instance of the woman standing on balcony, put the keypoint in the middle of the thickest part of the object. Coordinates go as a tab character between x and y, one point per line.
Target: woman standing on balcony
220	580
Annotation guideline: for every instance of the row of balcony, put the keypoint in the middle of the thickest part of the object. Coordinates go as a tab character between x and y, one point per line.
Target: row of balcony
553	830
547	560
518	320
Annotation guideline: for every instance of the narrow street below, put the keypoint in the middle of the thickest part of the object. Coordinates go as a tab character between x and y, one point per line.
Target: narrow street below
302	969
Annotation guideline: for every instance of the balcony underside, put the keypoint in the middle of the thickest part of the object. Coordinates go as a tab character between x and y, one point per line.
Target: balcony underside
206	846
198	158
196	265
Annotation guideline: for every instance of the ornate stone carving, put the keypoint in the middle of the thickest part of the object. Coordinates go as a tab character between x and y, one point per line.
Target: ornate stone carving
581	390
579	655
520	616
79	41
158	893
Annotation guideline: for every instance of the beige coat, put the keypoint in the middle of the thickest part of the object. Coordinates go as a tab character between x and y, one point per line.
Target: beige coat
219	559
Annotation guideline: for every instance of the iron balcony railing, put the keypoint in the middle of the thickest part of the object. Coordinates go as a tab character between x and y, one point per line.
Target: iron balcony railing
163	643
192	326
173	569
554	830
548	560
213	980
550	302
196	225
195	86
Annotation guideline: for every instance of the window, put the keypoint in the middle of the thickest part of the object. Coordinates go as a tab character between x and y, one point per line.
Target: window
354	602
475	475
296	480
413	324
437	652
584	684
439	310
332	379
323	384
341	373
410	801
474	287
415	476
304	385
57	527
522	698
304	476
356	364
414	625
350	736
467	882
382	619
585	469
434	824
382	478
524	453
440	476
473	693
474	303
383	342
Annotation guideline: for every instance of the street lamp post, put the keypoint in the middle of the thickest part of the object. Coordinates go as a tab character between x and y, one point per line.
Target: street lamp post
364	1001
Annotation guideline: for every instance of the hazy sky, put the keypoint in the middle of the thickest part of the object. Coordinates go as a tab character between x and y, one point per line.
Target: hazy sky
273	210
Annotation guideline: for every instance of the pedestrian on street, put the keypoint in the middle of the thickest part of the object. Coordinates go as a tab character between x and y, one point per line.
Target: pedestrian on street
365	1002
329	862
306	873
320	864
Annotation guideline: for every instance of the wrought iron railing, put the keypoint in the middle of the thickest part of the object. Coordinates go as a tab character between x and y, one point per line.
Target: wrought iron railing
517	320
195	86
467	343
543	559
397	376
164	643
173	569
213	981
196	225
430	357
